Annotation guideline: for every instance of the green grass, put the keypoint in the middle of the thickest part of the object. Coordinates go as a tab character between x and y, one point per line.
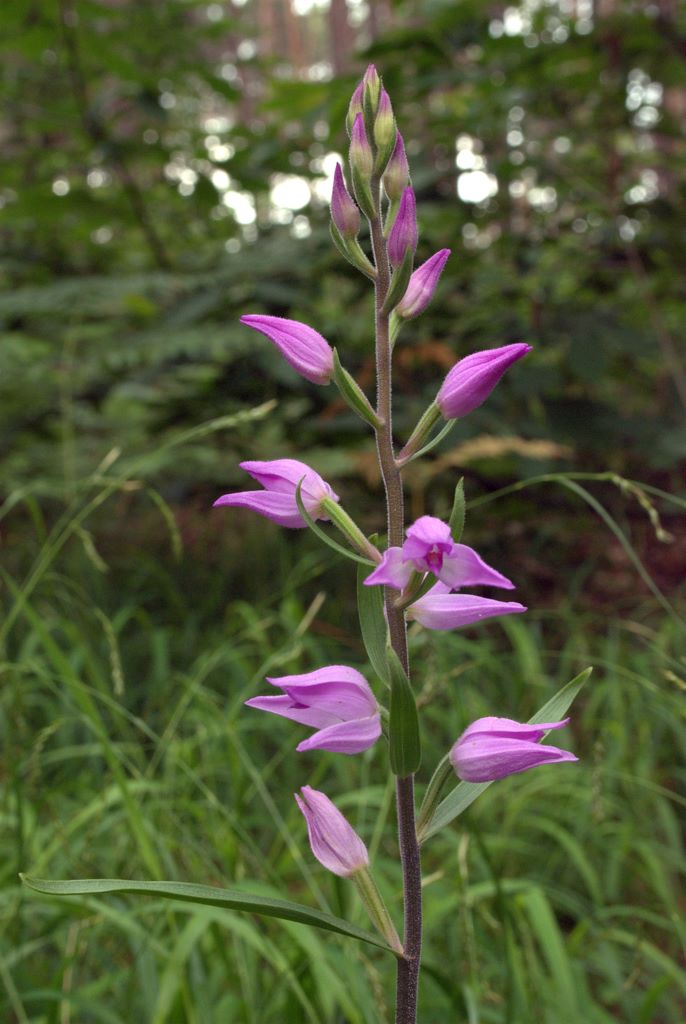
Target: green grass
126	752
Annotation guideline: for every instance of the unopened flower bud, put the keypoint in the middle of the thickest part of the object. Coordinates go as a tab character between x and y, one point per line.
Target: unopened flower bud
344	211
472	379
385	131
396	177
371	85
304	348
354	108
361	157
422	286
403	234
334	841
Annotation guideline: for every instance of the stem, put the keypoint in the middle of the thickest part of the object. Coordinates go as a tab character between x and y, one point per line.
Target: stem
408	966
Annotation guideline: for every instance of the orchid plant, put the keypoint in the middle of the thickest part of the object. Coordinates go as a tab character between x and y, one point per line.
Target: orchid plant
418	576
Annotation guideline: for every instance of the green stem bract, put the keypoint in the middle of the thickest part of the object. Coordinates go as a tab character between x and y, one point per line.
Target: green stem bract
443	772
425	425
351	249
353	393
349	528
376	908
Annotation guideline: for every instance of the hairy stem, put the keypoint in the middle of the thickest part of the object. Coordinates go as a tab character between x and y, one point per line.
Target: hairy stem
408	966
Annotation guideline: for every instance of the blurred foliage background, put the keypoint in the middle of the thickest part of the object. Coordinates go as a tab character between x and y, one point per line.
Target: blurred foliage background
167	167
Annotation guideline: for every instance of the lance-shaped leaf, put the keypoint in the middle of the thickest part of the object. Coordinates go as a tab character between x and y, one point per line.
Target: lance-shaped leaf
209	896
403	739
466	793
352	393
459	509
373	624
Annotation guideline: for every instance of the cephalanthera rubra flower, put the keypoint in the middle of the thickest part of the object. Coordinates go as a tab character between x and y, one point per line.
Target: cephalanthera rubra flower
403	234
280	479
422	286
335	700
334	841
344	211
430	547
472	379
301	346
396	177
492	748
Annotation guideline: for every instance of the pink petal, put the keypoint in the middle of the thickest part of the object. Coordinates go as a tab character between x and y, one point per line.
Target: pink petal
451	611
345	737
304	348
392	570
425	535
280	508
508	728
463	567
486	759
314	717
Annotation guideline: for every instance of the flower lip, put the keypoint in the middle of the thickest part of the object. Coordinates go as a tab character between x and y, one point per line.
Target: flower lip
439	609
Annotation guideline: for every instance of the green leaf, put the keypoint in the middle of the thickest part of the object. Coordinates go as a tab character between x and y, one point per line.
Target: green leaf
352	251
403	739
323	535
208	896
399	282
370	609
352	393
457	516
431	444
466	792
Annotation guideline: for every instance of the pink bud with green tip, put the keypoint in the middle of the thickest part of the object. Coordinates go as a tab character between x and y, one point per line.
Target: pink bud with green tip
344	211
403	234
396	177
442	610
361	156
